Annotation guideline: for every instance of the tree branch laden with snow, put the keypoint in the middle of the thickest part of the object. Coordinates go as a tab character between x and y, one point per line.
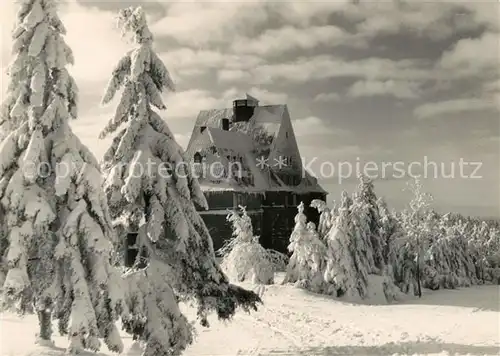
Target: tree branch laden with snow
151	189
57	228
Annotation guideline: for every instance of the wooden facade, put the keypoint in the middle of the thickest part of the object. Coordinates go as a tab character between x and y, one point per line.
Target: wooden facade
272	215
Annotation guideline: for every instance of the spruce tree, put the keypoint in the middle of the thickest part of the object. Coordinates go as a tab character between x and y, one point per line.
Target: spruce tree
151	189
366	194
298	233
56	225
341	273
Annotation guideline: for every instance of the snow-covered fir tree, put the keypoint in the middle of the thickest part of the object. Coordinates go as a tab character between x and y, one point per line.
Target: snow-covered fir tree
341	273
366	194
243	257
57	228
325	217
389	233
151	190
308	260
298	233
362	250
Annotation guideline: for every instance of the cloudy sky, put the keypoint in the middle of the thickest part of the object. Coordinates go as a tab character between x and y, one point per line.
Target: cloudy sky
378	81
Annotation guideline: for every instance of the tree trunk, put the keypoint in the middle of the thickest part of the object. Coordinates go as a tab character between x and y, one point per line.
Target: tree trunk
419	288
45	324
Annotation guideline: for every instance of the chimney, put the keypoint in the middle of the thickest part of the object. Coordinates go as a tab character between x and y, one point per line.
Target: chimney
202	128
243	109
225	124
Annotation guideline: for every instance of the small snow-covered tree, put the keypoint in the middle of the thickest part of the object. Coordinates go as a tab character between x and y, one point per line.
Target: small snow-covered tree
151	189
298	233
56	221
307	263
243	257
341	273
417	230
325	217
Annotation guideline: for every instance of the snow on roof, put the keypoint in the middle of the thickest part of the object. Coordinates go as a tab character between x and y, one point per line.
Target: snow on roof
269	117
213	117
235	141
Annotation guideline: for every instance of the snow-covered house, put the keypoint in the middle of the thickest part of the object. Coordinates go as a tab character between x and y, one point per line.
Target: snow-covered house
248	155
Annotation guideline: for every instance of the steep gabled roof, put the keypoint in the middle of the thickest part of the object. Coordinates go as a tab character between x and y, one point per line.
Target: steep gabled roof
250	139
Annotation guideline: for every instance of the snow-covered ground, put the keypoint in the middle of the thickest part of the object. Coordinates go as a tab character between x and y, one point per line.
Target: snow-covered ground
295	322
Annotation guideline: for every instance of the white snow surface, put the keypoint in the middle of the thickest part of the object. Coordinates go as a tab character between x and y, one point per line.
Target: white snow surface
295	322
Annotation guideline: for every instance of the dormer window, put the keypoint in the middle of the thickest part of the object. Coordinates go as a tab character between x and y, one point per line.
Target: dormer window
197	157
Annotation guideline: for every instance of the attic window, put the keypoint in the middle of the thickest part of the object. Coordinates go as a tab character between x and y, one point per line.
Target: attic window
197	157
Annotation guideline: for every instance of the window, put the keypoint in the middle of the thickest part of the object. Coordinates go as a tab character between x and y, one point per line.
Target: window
286	134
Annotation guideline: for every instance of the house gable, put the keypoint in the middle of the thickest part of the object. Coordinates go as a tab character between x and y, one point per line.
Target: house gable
285	147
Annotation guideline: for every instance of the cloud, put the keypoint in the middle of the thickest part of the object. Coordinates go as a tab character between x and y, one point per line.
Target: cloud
7	18
474	56
323	67
202	23
233	75
88	126
182	139
96	43
398	89
313	126
432	20
275	42
188	103
327	97
268	97
453	106
183	61
305	13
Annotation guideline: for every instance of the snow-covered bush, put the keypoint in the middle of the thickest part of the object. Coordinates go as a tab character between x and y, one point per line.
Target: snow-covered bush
278	259
243	257
57	232
151	190
308	260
